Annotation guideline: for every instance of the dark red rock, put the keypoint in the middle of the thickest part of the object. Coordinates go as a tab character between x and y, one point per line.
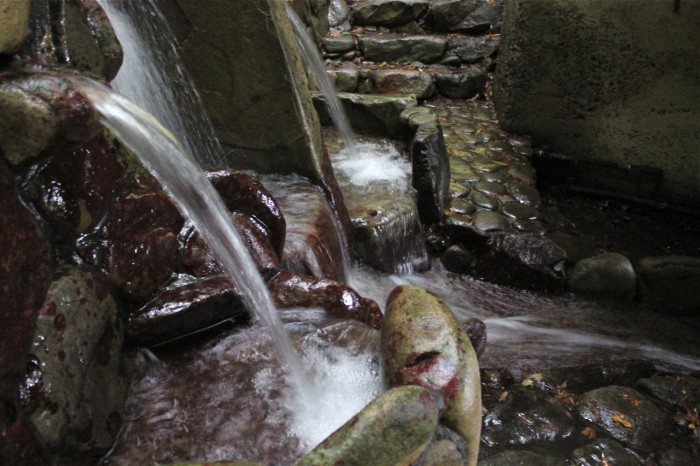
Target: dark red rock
241	193
141	244
200	262
25	273
185	306
292	290
74	191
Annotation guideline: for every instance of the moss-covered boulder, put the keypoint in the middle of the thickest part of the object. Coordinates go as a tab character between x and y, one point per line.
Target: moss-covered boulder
424	344
394	429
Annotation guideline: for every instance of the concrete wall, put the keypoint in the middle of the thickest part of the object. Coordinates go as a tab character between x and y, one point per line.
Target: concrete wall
614	80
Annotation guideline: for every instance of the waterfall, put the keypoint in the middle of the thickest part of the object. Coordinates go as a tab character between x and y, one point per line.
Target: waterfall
315	63
199	202
153	75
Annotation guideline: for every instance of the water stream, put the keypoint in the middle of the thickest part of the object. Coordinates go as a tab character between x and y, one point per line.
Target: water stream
153	75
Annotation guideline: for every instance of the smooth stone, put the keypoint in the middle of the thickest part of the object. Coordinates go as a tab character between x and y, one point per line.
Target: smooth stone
242	193
610	274
464	83
481	20
490	187
431	172
394	429
420	119
533	227
488	221
462	206
458	190
473	49
523	260
457	259
406	115
603	450
392	48
626	415
579	379
143	225
185	306
481	199
670	284
527	417
25	264
476	331
14	17
441	453
674	390
346	79
424	344
291	290
518	210
485	166
371	114
340	44
389	13
498	176
522	172
444	15
524	193
401	81
74	384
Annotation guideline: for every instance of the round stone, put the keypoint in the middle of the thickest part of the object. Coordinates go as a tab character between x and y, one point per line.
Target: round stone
486	220
461	206
490	187
526	194
485	166
483	200
519	211
529	226
522	172
499	176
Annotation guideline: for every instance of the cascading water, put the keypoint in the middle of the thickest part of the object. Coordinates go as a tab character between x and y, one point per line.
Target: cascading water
196	198
153	75
314	60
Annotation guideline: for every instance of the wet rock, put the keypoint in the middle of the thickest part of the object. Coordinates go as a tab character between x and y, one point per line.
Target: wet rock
519	211
476	331
14	17
462	206
431	172
603	450
291	290
673	390
216	463
472	49
200	261
340	44
388	47
524	193
395	428
673	455
347	79
481	199
402	81
581	379
485	17
457	259
389	13
73	387
242	193
445	15
141	246
371	114
464	83
491	188
40	112
522	458
522	260
25	265
423	344
417	120
626	415
610	274
75	190
486	221
338	13
410	112
669	283
526	418
494	383
441	453
185	306
19	445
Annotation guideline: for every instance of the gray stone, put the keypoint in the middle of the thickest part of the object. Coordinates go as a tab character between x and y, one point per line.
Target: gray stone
417	120
371	114
484	200
393	429
338	44
524	193
625	109
14	17
491	188
487	221
445	15
389	47
522	458
485	17
346	79
627	416
338	13
472	49
462	206
457	259
389	13
676	390
461	84
406	115
518	210
610	274
442	453
670	283
431	172
400	81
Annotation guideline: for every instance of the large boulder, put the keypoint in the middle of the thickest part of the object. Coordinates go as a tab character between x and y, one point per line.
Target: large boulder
14	17
610	274
424	344
25	274
393	429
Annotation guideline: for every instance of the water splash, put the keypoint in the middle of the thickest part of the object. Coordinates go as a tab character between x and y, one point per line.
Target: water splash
374	163
153	75
313	58
199	202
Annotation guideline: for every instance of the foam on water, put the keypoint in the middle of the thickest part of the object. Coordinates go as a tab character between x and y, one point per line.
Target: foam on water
374	163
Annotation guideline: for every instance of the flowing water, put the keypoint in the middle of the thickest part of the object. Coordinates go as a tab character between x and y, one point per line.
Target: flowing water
153	75
314	61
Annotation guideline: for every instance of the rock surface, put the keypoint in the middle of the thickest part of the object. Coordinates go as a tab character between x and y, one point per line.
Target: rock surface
425	49
431	172
669	283
14	17
610	274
